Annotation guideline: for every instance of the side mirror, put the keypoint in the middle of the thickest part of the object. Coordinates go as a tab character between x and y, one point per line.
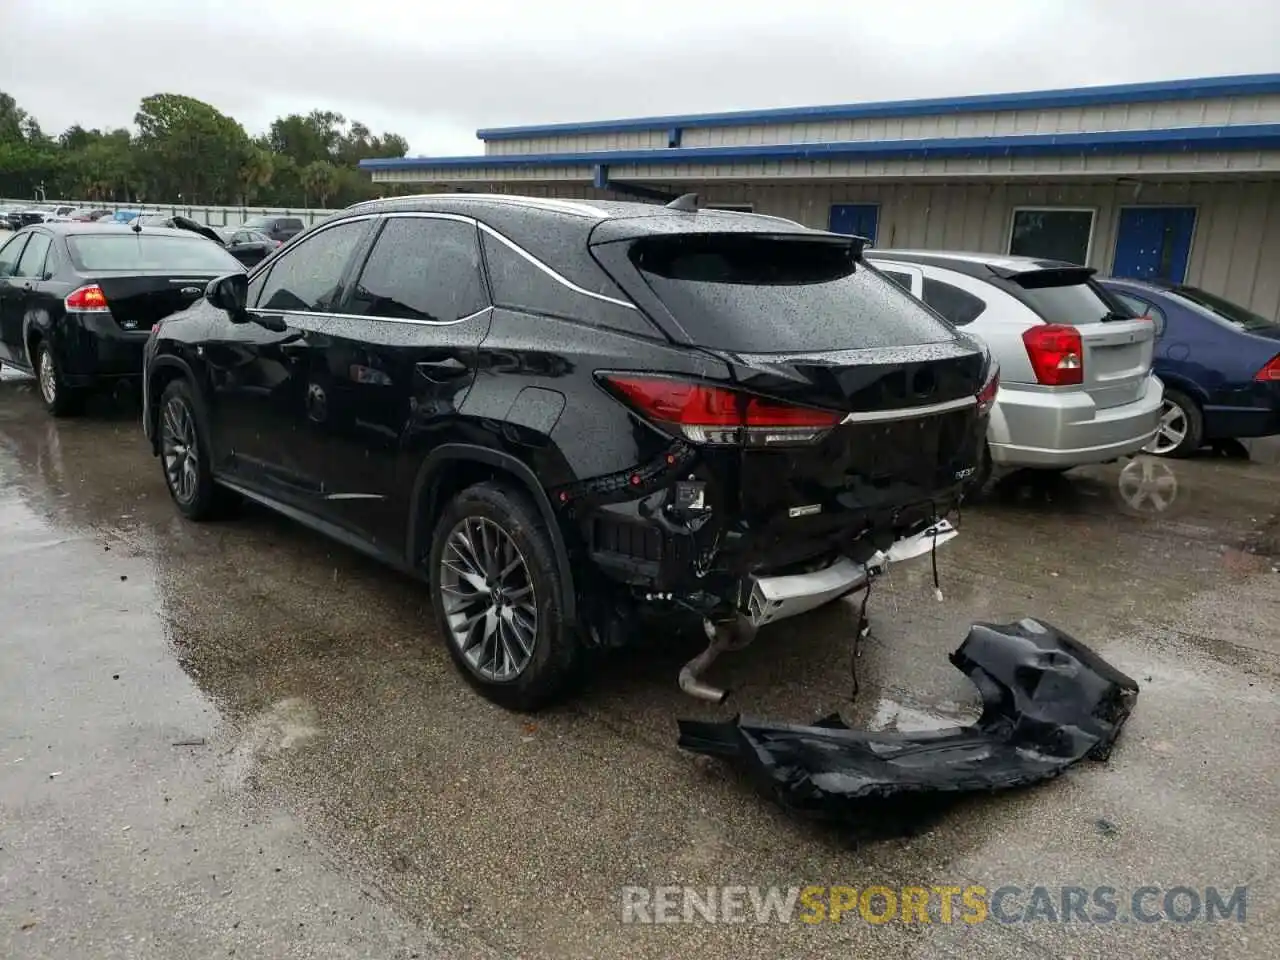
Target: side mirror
230	293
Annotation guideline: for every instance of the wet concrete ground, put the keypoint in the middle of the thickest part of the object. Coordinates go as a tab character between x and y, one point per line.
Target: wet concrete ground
239	739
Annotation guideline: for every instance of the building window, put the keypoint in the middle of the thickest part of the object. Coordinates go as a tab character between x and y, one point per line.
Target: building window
1052	234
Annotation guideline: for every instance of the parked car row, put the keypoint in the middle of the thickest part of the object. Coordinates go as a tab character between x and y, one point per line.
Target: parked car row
564	416
277	228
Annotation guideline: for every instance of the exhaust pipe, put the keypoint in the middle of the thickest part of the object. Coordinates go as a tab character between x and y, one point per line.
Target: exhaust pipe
721	638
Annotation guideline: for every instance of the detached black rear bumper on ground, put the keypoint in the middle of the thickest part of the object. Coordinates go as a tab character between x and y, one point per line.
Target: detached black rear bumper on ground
1048	702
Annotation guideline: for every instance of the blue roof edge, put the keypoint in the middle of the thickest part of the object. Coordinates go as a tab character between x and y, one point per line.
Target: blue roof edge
1190	89
1258	136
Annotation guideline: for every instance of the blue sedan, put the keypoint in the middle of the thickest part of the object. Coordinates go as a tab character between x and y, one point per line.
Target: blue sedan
1220	364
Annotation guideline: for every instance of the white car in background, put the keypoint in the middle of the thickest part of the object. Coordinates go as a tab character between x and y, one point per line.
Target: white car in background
1076	385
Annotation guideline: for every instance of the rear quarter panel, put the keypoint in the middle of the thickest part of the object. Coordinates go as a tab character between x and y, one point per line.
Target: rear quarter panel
999	326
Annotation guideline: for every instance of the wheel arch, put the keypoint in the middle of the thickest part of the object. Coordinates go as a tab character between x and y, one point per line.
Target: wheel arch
1186	386
439	478
162	371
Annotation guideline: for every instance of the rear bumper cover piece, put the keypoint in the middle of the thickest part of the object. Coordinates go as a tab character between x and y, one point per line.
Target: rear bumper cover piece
1048	701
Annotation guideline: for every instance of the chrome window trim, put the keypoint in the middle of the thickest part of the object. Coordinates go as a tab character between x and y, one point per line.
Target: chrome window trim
549	271
434	215
907	413
369	317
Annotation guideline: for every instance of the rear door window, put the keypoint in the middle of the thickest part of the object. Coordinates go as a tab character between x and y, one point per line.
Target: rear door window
421	269
308	278
9	255
1142	308
31	265
771	294
958	306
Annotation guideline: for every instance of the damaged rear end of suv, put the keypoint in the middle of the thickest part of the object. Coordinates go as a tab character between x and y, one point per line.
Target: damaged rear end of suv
829	433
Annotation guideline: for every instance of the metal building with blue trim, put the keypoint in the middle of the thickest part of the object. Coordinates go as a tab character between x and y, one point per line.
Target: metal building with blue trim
1175	179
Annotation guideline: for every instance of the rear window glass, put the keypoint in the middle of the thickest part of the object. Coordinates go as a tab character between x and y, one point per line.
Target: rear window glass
1072	303
141	251
780	294
1232	313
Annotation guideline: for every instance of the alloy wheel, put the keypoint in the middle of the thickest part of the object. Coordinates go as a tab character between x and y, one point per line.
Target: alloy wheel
1172	430
179	447
489	600
47	377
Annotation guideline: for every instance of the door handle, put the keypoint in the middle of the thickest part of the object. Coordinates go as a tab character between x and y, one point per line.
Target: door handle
446	369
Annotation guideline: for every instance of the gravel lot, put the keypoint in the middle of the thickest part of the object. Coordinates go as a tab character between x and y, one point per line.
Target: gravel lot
241	739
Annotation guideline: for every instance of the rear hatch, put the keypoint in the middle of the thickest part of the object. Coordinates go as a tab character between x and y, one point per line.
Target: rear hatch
888	388
1117	347
145	277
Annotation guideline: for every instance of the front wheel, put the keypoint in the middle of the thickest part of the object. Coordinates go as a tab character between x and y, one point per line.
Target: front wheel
496	590
1181	430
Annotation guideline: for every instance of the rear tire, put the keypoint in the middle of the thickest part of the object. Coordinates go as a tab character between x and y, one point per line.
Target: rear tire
496	589
1181	430
59	399
184	455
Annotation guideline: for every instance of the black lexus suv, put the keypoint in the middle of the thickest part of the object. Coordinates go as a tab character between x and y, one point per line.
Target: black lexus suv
563	415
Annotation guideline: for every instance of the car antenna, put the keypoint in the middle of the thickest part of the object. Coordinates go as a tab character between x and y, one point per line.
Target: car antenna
137	223
685	203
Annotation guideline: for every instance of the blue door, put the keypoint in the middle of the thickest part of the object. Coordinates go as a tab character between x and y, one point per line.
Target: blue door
858	219
1153	243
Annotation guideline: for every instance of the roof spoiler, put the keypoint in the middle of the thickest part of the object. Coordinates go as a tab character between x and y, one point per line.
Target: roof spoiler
1064	276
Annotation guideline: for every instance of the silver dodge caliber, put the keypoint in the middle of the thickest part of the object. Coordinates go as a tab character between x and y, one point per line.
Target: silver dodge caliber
1076	385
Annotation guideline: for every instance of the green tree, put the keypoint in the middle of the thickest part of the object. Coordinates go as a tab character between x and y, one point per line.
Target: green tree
12	119
319	180
256	170
190	150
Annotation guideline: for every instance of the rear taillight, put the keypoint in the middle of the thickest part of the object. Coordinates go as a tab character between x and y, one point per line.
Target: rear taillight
88	299
713	415
987	395
1057	354
1271	372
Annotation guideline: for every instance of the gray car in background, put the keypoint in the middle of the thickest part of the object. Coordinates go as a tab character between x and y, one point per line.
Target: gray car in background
1076	385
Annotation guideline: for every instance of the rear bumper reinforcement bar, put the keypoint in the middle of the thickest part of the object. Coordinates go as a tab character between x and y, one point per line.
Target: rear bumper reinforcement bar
770	599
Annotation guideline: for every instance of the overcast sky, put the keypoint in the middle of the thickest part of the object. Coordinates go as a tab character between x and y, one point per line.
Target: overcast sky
435	71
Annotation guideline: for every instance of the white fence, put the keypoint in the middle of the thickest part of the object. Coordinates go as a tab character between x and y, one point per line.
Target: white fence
213	216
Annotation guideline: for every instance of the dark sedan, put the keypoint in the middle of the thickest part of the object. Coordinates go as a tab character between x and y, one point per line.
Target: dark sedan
250	247
1220	364
77	300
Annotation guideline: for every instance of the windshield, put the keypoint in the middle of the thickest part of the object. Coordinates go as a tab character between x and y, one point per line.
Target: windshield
142	251
769	294
1233	313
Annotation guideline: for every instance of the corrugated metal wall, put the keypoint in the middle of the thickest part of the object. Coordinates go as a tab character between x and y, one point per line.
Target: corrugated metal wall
1135	116
1182	164
1235	250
